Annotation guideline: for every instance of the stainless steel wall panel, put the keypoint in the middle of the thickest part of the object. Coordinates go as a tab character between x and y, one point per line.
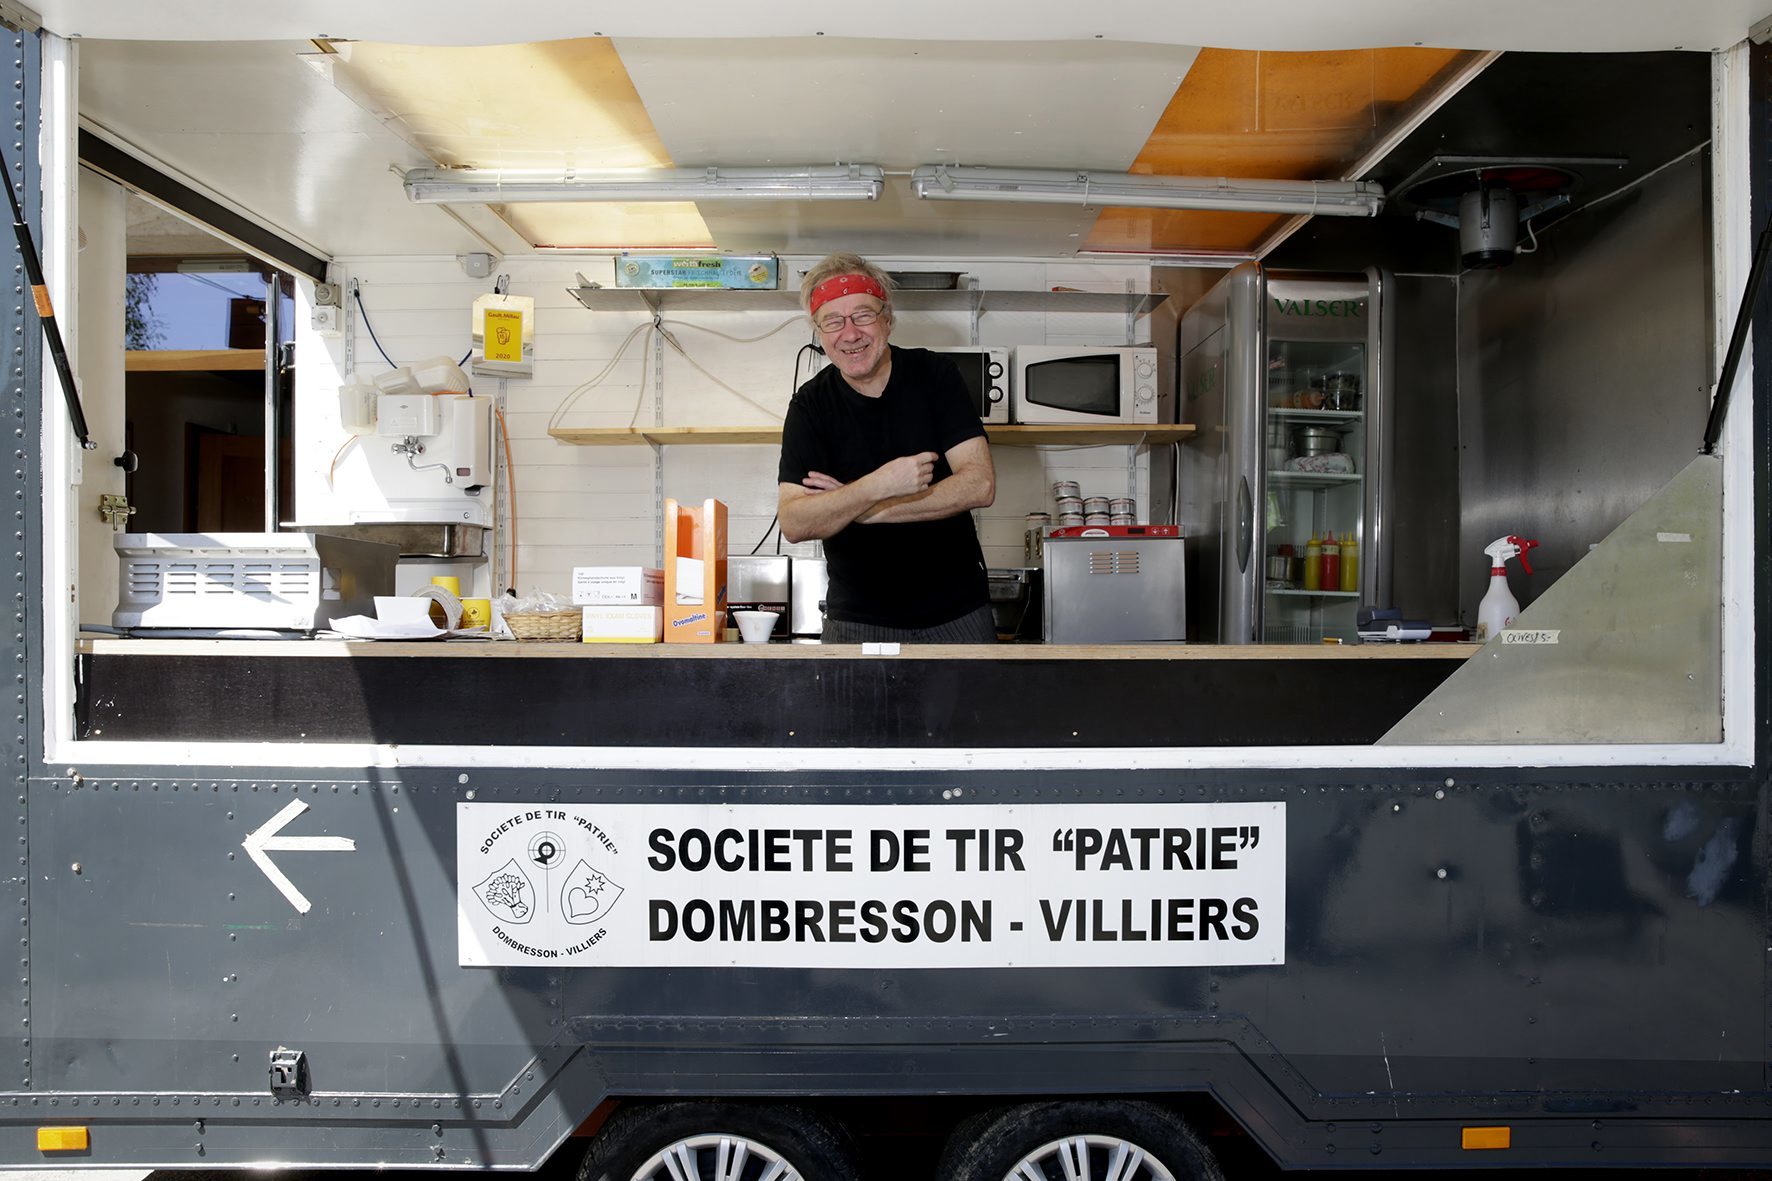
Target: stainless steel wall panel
1584	374
1626	647
1424	527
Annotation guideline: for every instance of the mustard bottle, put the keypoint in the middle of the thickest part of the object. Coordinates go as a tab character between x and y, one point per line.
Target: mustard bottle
1313	563
1350	562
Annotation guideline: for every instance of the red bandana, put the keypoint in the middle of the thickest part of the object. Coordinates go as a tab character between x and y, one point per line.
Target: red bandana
841	285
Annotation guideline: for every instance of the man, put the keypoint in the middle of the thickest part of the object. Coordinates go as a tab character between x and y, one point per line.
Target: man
882	459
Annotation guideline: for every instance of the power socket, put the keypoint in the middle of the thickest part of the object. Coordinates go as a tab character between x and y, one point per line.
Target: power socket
329	321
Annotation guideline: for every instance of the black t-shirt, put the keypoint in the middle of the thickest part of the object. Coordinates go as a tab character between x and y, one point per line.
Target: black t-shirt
917	574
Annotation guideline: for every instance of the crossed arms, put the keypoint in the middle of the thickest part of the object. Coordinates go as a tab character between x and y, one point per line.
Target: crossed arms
897	492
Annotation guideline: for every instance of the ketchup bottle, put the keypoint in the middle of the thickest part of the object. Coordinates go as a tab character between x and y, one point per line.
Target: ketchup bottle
1329	574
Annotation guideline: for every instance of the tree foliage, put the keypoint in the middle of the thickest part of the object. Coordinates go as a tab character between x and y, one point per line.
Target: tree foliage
142	329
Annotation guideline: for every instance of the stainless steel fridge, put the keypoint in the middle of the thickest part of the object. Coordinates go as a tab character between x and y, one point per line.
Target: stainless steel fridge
1286	376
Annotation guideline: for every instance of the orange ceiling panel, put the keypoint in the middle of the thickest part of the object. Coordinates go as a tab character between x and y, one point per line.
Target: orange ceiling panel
1288	116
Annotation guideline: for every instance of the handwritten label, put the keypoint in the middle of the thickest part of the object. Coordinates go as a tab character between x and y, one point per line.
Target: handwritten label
1529	636
1674	537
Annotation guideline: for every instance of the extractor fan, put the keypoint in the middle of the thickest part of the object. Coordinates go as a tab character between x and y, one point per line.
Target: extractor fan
1487	200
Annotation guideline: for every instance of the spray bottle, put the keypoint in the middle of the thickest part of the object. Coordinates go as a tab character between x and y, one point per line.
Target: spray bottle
1499	605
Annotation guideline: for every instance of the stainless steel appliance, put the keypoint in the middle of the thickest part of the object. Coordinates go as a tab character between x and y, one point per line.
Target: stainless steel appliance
1115	584
1272	363
224	582
811	582
1015	601
759	583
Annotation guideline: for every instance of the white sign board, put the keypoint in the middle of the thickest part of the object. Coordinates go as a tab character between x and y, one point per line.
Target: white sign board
850	886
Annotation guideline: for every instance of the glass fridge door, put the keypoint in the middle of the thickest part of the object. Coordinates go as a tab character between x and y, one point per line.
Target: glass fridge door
1315	431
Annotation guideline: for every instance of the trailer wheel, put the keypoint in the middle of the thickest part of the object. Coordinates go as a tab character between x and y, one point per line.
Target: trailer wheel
1056	1141
715	1141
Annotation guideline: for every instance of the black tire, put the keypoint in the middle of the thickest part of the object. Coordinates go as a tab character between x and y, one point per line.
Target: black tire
1034	1136
629	1146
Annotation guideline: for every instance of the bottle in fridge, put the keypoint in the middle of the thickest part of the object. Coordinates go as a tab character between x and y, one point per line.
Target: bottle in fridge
1286	377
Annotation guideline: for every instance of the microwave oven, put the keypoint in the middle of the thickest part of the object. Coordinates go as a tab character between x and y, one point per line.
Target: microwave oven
986	373
1078	383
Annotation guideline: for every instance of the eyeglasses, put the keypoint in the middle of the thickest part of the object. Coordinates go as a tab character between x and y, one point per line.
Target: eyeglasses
833	323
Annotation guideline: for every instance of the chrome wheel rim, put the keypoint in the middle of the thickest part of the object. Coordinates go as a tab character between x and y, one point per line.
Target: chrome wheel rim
717	1156
1089	1158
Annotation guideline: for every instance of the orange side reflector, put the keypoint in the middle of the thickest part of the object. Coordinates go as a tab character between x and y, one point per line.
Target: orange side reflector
1488	1138
63	1140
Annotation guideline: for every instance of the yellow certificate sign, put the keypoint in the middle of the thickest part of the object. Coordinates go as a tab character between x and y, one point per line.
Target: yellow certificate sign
504	335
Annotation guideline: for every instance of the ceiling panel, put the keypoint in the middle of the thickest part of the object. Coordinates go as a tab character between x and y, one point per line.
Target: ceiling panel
1292	116
900	103
555	105
1567	25
252	123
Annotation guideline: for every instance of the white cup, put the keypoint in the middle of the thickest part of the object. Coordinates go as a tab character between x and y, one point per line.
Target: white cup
754	627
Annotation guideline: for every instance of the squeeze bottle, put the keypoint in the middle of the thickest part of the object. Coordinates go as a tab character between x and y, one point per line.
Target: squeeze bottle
1313	563
1499	606
1350	562
1329	573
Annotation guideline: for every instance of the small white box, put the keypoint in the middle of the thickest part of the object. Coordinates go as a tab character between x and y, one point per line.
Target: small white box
616	586
404	414
623	625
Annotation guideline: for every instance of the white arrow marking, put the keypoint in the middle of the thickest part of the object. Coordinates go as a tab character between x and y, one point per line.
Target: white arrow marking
259	843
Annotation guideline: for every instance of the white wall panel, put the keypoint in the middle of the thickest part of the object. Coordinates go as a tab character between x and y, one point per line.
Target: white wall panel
597	505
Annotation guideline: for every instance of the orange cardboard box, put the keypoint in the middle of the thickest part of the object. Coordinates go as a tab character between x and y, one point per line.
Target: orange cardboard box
695	572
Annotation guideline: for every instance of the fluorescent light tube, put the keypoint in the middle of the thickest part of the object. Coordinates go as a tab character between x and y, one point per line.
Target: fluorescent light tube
829	182
1053	186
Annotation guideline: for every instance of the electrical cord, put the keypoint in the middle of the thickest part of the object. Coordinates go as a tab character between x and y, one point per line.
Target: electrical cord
585	387
788	323
504	431
362	311
765	537
332	469
800	357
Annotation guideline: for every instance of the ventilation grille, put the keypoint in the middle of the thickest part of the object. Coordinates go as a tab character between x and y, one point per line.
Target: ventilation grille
1112	561
185	581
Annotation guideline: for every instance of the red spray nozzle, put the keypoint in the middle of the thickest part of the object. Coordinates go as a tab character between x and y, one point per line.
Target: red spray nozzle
1527	545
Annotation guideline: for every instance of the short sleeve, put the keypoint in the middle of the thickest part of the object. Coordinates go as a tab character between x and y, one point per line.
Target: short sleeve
955	419
799	442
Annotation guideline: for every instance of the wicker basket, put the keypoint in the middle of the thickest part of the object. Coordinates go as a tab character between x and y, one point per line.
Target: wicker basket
546	625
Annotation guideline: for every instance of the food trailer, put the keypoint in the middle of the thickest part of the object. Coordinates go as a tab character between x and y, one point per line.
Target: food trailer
293	893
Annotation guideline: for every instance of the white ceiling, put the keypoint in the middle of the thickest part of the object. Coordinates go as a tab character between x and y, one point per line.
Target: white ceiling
252	124
900	103
260	125
1561	25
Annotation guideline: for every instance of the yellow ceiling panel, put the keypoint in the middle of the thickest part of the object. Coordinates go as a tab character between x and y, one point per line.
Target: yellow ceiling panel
609	225
551	105
1288	116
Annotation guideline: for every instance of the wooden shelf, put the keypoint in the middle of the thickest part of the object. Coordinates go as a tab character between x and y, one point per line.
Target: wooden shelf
618	436
192	360
708	299
1106	435
1116	434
